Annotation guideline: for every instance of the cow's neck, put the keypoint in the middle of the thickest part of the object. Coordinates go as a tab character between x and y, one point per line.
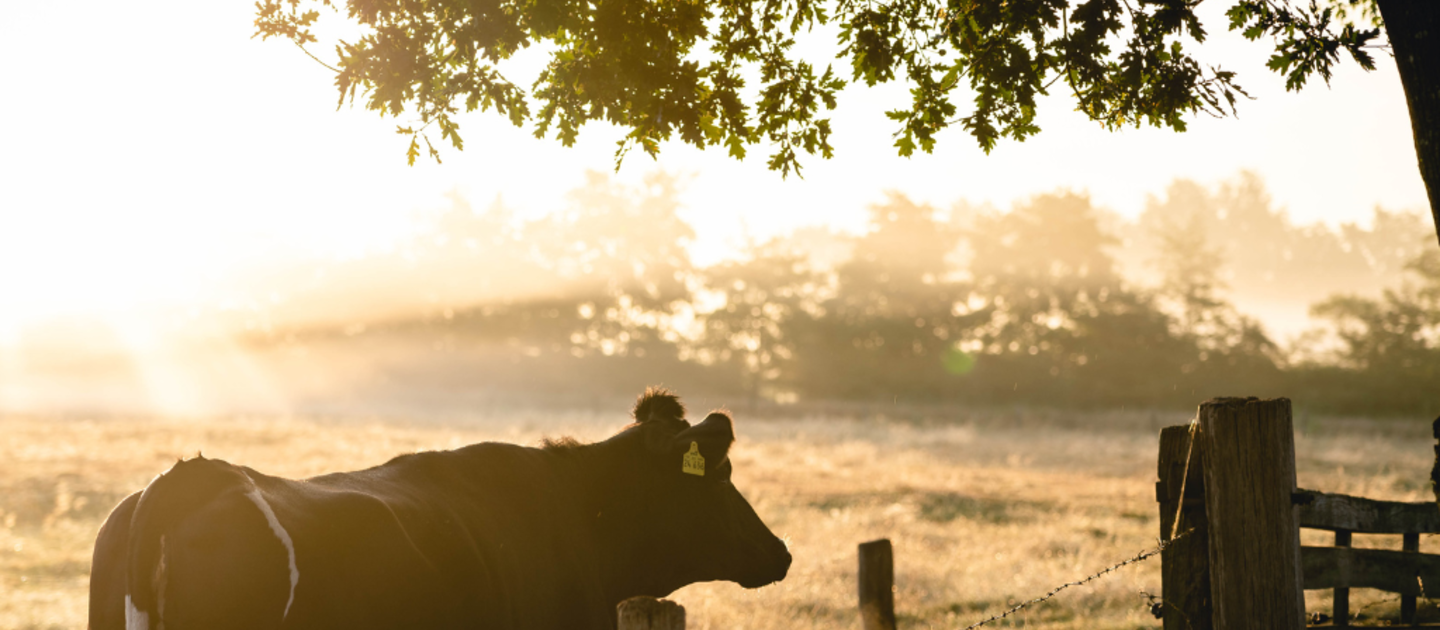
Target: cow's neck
598	473
609	478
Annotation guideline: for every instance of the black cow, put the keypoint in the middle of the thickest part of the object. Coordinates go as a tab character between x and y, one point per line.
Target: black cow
489	536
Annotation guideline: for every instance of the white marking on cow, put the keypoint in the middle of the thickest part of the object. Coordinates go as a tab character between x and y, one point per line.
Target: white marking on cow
162	579
259	501
134	619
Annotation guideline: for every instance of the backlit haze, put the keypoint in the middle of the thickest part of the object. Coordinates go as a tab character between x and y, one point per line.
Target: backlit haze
159	165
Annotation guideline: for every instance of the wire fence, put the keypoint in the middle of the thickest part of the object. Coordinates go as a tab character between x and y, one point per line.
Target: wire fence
1140	557
1175	535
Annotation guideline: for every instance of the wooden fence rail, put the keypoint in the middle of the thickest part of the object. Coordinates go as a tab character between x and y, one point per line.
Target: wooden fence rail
1343	567
1322	510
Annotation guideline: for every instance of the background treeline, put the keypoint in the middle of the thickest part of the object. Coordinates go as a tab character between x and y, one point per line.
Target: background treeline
1052	302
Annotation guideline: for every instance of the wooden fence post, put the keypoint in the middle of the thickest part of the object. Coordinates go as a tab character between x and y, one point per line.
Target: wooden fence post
1185	564
877	585
648	613
1249	500
1409	541
1435	472
1340	602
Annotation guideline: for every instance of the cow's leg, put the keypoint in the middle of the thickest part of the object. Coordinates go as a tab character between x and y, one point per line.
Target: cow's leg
107	568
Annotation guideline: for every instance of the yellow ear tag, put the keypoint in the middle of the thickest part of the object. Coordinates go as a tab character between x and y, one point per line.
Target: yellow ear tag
694	462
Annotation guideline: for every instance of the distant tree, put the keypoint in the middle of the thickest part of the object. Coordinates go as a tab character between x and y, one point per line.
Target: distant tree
454	261
1041	265
1190	269
1377	355
620	255
1232	347
667	70
601	275
1267	261
1398	334
899	269
752	330
1061	323
449	261
891	322
1390	243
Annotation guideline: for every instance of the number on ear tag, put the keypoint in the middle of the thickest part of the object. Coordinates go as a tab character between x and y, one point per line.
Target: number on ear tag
694	462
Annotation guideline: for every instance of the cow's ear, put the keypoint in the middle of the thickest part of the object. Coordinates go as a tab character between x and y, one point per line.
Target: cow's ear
704	449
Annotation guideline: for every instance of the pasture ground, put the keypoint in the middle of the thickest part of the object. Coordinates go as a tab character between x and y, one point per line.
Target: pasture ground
984	507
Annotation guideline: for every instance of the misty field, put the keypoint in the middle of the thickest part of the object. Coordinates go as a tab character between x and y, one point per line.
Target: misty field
985	508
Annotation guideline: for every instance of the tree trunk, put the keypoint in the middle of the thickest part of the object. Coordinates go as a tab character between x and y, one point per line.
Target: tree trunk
1414	30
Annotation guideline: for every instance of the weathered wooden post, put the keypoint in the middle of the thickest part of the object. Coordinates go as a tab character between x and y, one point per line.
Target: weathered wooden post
1185	563
1435	472
1409	541
877	585
1340	602
648	613
1249	464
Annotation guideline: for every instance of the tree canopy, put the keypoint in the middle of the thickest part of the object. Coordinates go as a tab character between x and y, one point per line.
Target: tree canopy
728	73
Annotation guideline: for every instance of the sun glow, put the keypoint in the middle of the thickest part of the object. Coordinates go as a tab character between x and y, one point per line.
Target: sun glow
108	310
132	361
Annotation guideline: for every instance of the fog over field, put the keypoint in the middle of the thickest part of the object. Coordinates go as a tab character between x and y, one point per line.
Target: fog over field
1053	301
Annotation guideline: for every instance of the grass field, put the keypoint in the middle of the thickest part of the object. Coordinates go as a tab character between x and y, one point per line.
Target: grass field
985	508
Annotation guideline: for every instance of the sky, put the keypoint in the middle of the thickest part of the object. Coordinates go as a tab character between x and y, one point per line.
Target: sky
149	151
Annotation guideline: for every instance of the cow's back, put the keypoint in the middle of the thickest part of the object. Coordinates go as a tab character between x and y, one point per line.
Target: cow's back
196	545
484	536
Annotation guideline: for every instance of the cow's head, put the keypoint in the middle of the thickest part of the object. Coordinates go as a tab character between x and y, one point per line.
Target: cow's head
680	520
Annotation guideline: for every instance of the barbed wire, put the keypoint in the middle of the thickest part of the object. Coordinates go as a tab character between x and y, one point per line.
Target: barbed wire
1358	613
1158	605
1175	534
1140	557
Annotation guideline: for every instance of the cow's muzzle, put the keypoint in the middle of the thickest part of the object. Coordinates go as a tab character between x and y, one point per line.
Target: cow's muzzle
775	565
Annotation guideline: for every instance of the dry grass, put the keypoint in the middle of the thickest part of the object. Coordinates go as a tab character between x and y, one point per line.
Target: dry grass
984	508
